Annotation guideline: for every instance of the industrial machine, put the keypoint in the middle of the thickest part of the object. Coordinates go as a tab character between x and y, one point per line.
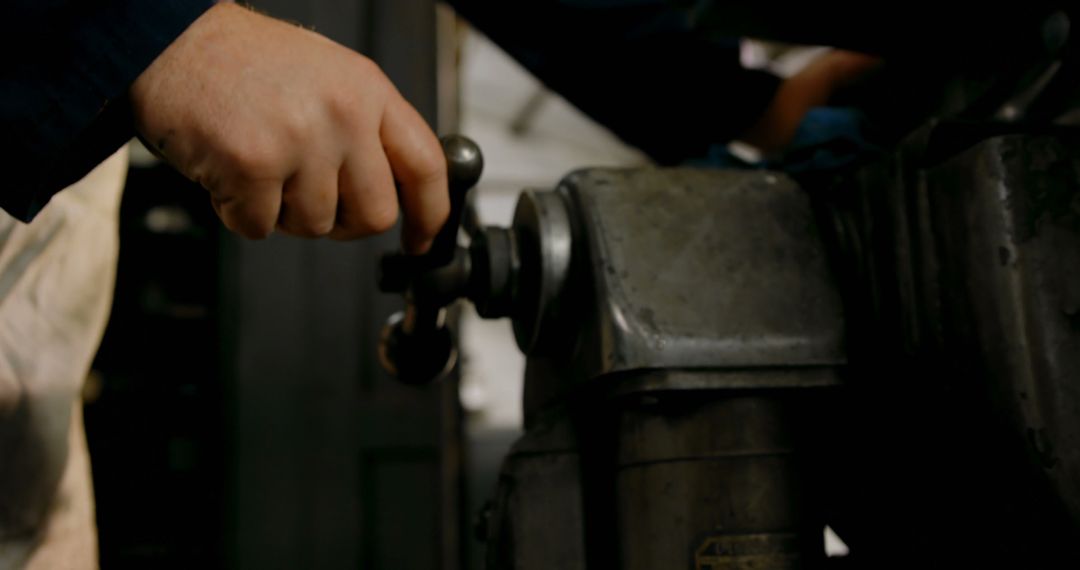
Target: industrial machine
722	362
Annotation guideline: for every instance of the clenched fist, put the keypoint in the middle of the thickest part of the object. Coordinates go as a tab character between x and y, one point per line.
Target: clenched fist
288	130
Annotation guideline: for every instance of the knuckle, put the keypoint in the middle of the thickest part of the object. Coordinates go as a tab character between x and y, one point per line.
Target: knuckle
309	211
243	217
381	218
257	227
318	228
251	228
354	107
430	165
297	126
368	69
253	158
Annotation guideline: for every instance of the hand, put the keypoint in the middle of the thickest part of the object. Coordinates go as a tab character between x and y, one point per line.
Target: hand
289	130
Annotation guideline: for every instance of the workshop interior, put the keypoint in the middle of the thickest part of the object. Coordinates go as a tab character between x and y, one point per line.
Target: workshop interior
864	353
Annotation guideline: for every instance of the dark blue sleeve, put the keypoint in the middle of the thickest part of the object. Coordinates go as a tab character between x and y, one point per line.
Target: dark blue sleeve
642	68
65	69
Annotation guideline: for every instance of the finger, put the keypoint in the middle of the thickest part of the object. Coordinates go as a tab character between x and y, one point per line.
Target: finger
309	200
419	167
367	198
249	208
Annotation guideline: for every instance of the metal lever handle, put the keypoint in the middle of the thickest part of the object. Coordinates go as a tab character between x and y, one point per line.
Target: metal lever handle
415	345
464	164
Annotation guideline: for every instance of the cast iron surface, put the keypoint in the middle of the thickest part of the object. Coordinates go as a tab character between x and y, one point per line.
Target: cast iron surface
537	521
710	480
959	261
686	269
1008	211
706	269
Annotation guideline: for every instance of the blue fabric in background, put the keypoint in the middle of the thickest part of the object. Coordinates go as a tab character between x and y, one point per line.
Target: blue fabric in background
828	139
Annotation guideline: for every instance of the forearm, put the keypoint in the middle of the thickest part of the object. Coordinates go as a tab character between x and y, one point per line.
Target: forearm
67	66
811	87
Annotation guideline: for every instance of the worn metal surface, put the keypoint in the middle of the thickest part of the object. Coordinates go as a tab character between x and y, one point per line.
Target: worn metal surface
676	269
537	522
705	269
665	296
542	230
959	256
956	440
958	261
739	379
708	481
1007	212
626	270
